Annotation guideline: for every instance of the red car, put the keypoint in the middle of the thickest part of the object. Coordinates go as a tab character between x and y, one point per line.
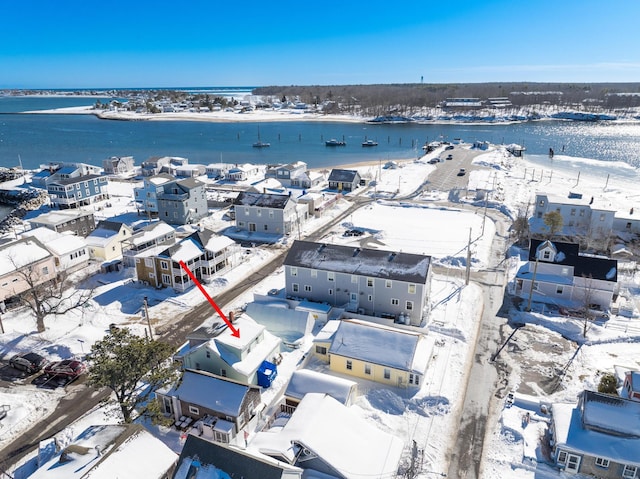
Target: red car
69	368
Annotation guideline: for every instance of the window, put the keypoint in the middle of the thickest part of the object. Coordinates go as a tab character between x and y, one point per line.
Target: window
151	275
412	289
330	292
535	286
388	283
194	410
45	270
164	264
314	273
409	306
582	212
601	216
321	350
629	472
294	271
349	364
546	254
559	289
395	301
573	463
166	279
370	298
541	203
246	211
573	211
295	287
223	372
266	227
259	211
307	288
562	457
387	373
367	369
370	282
602	462
331	276
628	226
354	278
148	262
271	215
565	271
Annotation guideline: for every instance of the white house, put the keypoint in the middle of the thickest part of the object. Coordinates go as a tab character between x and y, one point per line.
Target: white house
557	273
71	252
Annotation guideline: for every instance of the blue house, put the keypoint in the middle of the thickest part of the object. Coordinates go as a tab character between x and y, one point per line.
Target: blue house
71	187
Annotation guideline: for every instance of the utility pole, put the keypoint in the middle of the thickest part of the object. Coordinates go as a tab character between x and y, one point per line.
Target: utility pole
533	281
146	314
468	271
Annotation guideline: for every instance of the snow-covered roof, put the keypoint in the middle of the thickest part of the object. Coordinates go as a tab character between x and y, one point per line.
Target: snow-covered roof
21	253
281	320
342	439
151	232
225	345
218	243
101	237
59	216
383	345
211	392
571	434
408	267
58	244
304	381
185	251
126	452
263	200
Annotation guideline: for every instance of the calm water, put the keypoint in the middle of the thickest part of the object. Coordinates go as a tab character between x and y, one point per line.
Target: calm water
38	139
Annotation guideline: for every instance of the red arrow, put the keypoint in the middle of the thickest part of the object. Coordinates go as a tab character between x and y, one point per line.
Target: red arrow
234	332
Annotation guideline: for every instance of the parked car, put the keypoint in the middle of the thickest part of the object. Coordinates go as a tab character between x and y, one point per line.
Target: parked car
28	362
353	233
449	157
462	172
449	147
69	369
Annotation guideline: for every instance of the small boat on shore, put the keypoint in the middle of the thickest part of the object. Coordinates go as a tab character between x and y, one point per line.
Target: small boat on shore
369	143
334	142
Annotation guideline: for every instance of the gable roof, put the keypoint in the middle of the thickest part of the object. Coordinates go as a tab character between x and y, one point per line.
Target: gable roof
213	392
20	253
194	245
383	345
343	175
265	200
340	438
126	452
60	216
70	181
568	254
208	457
408	267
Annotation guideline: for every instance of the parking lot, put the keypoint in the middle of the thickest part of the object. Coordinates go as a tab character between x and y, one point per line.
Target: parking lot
447	175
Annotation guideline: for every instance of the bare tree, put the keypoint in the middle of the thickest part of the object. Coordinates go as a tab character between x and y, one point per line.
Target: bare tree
520	226
588	316
47	297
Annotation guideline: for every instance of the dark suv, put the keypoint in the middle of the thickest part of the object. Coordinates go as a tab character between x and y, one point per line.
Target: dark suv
28	362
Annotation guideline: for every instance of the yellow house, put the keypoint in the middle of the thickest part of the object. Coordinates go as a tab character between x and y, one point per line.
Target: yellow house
375	352
105	242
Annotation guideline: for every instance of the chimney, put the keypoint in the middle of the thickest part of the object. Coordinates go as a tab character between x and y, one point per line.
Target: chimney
231	316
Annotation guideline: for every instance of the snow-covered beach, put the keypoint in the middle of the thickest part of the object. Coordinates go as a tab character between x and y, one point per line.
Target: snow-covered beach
439	227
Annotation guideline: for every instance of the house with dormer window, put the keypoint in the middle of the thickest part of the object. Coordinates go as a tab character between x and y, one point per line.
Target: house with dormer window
557	273
370	282
598	436
249	359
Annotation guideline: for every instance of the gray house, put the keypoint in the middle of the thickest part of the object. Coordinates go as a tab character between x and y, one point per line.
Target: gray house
286	173
117	165
599	436
182	202
80	222
367	281
268	213
344	180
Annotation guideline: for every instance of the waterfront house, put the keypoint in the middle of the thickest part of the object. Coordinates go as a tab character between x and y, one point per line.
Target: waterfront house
371	282
71	187
206	254
146	196
24	263
223	406
598	436
248	359
77	221
190	171
118	165
182	202
268	213
70	252
328	439
344	180
106	451
199	454
105	242
217	170
243	172
556	273
285	174
154	165
375	352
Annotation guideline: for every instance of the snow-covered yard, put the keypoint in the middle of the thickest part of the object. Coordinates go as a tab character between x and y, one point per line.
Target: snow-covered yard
429	415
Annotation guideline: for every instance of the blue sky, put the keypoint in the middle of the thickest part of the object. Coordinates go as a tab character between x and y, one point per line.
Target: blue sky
143	43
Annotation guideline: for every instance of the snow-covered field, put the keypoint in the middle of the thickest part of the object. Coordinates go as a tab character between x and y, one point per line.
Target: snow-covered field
427	225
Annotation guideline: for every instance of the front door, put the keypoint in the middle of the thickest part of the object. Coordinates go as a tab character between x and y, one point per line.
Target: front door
573	463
